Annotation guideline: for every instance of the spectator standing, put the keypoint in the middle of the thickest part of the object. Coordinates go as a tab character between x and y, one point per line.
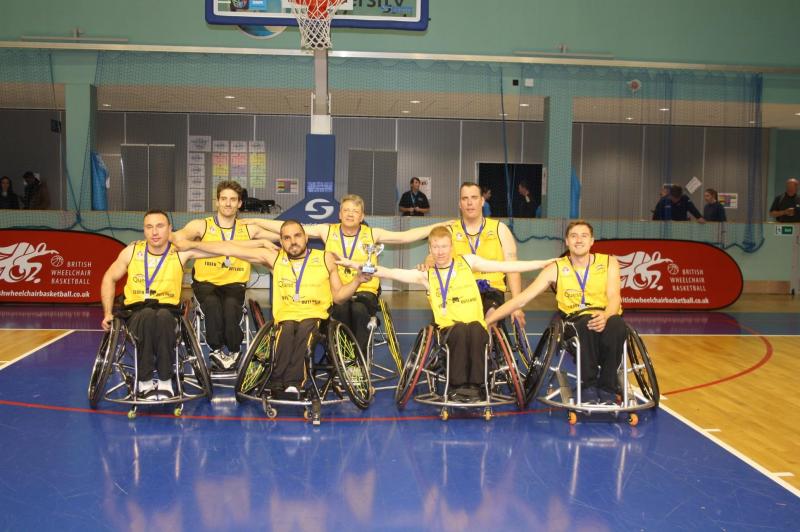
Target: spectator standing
414	202
786	207
486	192
678	208
713	211
8	199
525	205
36	195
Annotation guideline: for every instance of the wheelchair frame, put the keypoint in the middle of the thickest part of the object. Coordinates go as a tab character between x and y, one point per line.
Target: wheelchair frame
332	375
196	316
379	335
118	354
560	378
430	356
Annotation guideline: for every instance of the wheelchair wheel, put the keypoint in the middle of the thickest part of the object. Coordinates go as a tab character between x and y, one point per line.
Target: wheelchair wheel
256	367
415	362
642	367
194	356
256	313
103	362
522	344
540	361
350	364
502	346
391	336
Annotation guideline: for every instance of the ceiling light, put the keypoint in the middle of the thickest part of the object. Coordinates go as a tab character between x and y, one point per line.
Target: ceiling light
414	101
239	107
664	109
106	105
797	114
628	118
229	97
524	105
405	111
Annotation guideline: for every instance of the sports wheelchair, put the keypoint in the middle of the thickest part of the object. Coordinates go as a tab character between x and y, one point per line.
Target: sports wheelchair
429	359
555	373
194	313
383	334
337	369
117	355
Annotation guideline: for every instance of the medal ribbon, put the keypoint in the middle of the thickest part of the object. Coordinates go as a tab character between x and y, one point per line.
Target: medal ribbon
299	278
147	279
444	287
353	247
478	239
582	283
222	234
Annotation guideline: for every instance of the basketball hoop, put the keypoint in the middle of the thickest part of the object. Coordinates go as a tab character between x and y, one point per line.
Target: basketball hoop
314	20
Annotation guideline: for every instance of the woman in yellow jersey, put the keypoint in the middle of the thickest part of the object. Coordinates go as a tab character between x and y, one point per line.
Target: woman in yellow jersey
588	291
456	304
306	282
152	296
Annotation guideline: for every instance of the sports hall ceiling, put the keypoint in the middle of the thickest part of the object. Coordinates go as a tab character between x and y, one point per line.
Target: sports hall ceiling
468	106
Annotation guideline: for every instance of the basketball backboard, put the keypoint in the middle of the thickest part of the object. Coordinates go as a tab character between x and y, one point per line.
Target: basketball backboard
374	14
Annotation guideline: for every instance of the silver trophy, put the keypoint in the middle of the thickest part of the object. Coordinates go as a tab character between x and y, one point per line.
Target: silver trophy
372	251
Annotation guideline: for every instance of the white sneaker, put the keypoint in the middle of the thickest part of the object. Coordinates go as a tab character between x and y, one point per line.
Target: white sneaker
144	387
165	388
217	358
234	358
292	389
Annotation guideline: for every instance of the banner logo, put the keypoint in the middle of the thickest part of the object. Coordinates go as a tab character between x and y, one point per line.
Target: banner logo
17	265
319	209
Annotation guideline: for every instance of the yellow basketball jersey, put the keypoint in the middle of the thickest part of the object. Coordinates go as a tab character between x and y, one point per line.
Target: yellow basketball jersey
568	290
165	286
213	269
333	243
488	247
463	297
314	295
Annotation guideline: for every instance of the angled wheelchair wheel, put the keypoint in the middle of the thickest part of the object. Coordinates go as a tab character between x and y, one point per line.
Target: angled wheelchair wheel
257	364
540	361
256	313
194	356
103	362
523	346
350	364
391	336
503	348
642	367
415	362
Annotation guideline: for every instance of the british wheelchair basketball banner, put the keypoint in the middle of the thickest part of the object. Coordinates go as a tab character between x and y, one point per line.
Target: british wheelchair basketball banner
38	266
674	274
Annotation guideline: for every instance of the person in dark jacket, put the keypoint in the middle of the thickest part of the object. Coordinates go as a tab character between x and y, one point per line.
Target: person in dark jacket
786	207
8	199
713	211
679	208
36	195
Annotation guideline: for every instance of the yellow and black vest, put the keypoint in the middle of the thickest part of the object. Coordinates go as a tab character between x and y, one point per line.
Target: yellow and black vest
463	297
489	247
213	270
568	289
315	297
333	243
165	287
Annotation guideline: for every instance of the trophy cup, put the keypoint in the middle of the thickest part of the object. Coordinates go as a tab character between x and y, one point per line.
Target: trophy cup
372	251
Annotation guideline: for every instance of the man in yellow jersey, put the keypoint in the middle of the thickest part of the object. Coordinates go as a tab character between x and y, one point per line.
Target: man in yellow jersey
219	283
347	239
587	286
490	239
152	297
305	284
456	304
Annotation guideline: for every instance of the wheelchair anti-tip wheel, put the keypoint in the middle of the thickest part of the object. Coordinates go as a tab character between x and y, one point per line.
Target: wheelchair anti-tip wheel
350	364
415	362
257	364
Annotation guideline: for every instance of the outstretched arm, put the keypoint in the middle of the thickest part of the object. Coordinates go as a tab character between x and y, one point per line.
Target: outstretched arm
192	231
479	264
108	285
516	303
405	237
396	274
201	250
314	231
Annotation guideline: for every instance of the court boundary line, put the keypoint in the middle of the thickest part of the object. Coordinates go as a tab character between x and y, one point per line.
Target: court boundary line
733	450
66	333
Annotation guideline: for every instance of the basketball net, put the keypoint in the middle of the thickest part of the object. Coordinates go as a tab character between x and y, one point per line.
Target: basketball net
314	20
